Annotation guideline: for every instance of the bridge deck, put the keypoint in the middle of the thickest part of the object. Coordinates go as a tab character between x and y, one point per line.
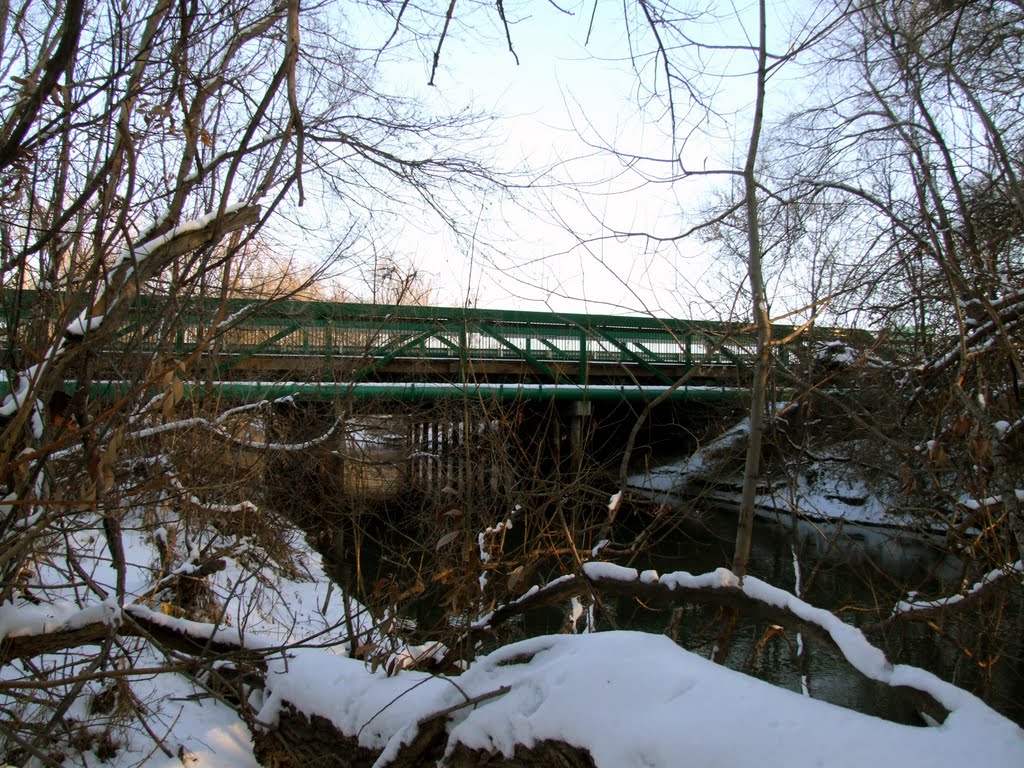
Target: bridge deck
358	342
335	345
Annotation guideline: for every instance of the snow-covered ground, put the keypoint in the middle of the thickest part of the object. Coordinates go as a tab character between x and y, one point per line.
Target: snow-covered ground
267	606
829	489
631	699
819	491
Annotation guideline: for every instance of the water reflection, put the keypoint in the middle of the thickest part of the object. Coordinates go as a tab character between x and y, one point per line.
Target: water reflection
856	571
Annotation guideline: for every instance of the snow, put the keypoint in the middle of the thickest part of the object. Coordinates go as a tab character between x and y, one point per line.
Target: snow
974	504
629	698
614	501
609	571
670	477
83	324
821	490
214	427
633	699
141	252
837	353
272	610
912	604
26	620
639	699
19	394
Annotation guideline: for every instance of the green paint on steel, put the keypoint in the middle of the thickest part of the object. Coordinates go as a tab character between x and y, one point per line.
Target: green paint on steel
416	391
522	352
404	344
627	353
254	391
322	333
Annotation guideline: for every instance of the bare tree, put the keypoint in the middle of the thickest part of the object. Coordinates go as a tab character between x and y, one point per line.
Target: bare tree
924	143
147	150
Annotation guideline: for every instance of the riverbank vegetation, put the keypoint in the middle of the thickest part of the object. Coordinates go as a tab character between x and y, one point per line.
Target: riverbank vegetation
161	597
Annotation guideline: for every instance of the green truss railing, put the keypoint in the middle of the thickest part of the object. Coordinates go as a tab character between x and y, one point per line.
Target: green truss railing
373	336
382	333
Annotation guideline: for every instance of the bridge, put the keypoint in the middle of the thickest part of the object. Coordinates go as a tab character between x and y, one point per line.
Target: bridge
574	375
255	350
324	349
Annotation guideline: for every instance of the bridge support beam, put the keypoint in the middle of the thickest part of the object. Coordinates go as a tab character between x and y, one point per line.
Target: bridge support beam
582	410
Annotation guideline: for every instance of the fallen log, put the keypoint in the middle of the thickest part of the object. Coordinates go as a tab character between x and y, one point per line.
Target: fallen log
88	627
300	741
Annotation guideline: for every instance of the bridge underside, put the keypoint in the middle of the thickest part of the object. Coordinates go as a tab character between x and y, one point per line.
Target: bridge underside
247	378
415	391
492	371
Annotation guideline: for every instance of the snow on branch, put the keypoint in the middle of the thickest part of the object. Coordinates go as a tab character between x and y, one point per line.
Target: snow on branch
1008	311
976	591
153	253
214	428
607	699
753	597
29	631
718	588
105	313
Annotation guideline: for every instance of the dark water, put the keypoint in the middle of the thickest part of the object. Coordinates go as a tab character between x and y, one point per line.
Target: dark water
857	572
853	571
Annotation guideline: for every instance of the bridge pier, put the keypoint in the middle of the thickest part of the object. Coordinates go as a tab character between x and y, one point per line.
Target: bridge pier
579	421
456	452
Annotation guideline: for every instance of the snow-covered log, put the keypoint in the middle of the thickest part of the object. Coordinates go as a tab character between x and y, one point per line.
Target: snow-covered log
31	633
298	739
607	699
752	598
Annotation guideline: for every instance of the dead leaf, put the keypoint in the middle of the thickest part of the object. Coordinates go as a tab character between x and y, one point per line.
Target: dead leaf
961	425
980	449
448	538
516	578
907	481
937	454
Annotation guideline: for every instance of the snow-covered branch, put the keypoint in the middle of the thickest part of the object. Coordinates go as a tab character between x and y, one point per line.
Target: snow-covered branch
28	631
752	597
214	428
1007	314
924	610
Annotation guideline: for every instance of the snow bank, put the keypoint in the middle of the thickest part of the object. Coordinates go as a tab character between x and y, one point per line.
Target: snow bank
820	491
269	609
633	699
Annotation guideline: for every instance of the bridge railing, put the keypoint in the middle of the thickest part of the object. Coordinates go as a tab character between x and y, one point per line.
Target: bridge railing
378	334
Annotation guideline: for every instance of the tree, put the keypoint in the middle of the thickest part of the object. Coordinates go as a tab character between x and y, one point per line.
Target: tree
147	149
148	152
921	144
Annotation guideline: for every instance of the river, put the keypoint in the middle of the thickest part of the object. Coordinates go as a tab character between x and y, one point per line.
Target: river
857	571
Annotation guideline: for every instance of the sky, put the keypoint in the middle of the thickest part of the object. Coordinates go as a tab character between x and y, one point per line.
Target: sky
554	105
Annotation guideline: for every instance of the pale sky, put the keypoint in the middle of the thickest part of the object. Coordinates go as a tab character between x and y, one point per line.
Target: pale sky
524	257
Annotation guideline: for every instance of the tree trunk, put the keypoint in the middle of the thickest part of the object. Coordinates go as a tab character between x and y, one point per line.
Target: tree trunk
762	363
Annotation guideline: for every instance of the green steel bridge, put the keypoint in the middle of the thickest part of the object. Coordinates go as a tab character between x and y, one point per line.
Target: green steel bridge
252	350
321	349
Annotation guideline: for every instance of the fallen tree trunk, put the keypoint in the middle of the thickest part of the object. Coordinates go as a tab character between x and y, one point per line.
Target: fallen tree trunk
80	629
315	742
294	738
